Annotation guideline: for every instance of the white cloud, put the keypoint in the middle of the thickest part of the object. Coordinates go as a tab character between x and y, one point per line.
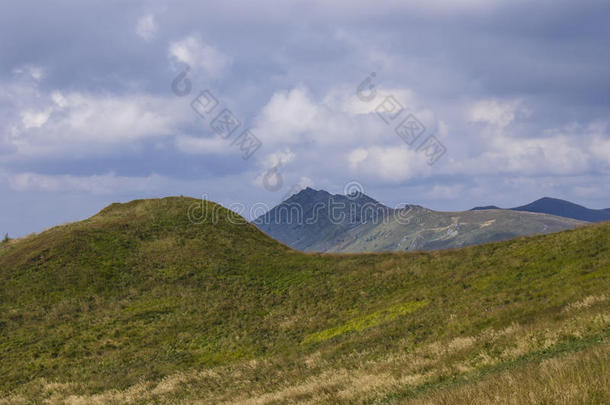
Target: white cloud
304	182
392	164
345	99
445	192
96	184
203	146
600	142
35	119
339	135
146	27
279	158
494	112
297	117
59	99
66	123
199	55
288	116
356	157
569	151
33	71
497	113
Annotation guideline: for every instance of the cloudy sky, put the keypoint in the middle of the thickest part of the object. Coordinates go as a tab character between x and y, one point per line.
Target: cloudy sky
509	101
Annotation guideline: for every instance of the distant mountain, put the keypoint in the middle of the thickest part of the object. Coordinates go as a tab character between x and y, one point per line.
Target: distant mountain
315	220
562	208
486	207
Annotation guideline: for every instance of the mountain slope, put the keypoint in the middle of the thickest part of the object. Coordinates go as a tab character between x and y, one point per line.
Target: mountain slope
423	229
313	220
565	209
138	304
318	221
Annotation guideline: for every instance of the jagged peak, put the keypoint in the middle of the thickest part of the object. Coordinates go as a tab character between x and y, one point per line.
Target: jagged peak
309	193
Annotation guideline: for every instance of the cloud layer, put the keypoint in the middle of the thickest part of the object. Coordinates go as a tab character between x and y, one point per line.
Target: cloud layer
515	93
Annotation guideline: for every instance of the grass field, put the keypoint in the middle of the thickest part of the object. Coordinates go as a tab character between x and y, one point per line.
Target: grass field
139	305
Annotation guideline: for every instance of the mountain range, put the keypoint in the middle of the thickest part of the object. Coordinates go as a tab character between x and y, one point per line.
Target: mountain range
140	304
315	220
561	208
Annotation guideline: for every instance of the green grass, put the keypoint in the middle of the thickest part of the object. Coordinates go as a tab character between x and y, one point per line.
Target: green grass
138	304
376	318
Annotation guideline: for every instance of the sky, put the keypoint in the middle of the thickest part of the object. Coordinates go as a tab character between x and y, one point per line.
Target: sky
448	104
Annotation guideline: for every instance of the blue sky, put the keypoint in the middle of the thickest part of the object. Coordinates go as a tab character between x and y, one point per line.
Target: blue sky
515	92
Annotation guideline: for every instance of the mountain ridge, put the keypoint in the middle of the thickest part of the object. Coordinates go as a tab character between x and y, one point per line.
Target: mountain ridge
567	209
307	221
561	208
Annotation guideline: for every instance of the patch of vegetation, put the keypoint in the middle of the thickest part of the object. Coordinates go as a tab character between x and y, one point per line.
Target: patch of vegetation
140	305
376	318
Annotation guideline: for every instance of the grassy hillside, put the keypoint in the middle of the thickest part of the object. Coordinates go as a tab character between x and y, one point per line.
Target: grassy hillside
139	305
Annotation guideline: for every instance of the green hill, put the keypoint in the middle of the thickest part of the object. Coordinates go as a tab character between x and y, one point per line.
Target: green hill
138	304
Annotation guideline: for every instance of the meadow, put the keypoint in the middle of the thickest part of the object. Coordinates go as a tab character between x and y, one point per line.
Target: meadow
140	305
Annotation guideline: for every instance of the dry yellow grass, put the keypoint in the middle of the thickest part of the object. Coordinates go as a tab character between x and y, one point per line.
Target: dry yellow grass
572	378
578	378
